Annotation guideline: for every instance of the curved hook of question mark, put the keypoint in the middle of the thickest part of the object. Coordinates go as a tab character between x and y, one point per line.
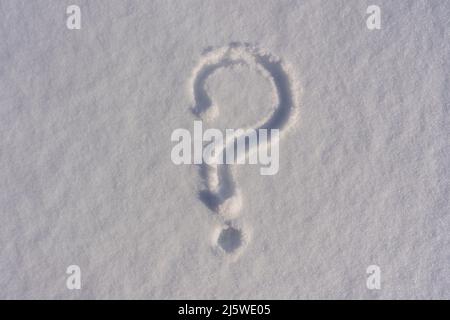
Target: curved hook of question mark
222	195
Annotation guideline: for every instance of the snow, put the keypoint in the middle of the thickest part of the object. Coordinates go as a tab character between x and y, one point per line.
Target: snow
86	176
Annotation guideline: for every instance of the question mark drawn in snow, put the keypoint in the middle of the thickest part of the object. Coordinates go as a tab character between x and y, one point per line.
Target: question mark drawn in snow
222	195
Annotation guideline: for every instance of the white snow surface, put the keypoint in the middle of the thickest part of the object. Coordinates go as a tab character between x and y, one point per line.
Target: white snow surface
86	176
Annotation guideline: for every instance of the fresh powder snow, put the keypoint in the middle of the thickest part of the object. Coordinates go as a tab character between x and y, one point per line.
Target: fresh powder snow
92	205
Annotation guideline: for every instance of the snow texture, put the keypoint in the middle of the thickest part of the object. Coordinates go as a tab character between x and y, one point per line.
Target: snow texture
86	176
